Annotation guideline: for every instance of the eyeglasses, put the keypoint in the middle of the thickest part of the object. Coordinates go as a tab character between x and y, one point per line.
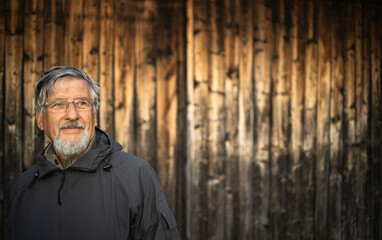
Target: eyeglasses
62	105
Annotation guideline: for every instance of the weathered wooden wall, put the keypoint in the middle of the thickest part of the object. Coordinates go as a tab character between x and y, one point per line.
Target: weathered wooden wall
263	118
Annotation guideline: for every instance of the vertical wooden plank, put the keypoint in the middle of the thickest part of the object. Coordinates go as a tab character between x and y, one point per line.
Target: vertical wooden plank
262	15
231	114
366	110
13	114
359	164
199	216
167	96
3	194
74	33
146	12
336	128
246	120
181	150
310	122
192	165
216	128
33	67
323	121
106	66
91	39
54	36
348	179
124	74
296	169
171	104
376	121
279	121
361	125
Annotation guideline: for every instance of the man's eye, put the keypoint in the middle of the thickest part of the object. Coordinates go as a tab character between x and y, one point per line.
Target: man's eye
82	103
59	103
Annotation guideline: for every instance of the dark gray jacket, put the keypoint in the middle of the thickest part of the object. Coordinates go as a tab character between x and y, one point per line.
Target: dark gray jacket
106	194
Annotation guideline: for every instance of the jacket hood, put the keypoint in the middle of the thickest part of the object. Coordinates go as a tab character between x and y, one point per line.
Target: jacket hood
102	148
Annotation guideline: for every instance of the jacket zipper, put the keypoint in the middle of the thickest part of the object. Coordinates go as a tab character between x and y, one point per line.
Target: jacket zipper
61	186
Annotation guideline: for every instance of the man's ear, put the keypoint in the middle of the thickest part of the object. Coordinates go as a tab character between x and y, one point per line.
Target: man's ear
39	121
95	120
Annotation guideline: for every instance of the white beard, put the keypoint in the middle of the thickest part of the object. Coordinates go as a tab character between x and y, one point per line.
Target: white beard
68	148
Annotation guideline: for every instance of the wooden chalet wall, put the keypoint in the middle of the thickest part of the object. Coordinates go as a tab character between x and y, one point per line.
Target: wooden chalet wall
262	118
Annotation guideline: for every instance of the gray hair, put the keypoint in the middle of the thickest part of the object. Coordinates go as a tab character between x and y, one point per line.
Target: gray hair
46	85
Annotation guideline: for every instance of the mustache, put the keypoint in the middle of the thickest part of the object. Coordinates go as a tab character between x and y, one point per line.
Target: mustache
71	125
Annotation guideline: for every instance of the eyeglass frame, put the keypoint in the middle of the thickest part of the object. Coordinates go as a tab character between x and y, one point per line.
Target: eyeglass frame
90	100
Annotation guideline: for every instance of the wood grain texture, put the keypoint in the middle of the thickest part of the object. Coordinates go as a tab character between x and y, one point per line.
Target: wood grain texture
54	33
32	69
216	184
376	123
334	221
191	167
295	227
124	75
199	171
91	39
3	194
323	121
262	18
74	33
145	15
361	125
181	150
246	126
167	97
280	100
13	105
310	121
106	66
231	93
349	161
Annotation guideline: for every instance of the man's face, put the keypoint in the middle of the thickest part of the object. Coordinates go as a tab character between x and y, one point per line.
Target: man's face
51	122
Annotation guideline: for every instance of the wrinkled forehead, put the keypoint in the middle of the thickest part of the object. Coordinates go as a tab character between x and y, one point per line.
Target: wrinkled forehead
63	83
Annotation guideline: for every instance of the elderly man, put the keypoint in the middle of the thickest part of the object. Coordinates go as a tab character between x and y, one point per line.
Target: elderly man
84	186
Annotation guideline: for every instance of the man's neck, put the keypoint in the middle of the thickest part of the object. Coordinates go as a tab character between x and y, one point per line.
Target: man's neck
65	158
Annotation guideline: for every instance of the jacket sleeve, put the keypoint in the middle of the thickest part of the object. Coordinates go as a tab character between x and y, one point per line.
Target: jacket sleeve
167	228
155	219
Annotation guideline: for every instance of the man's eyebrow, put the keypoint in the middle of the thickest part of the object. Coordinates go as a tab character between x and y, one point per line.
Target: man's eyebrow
63	98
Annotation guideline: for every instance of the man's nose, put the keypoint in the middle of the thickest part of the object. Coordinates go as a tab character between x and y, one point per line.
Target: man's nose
72	113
